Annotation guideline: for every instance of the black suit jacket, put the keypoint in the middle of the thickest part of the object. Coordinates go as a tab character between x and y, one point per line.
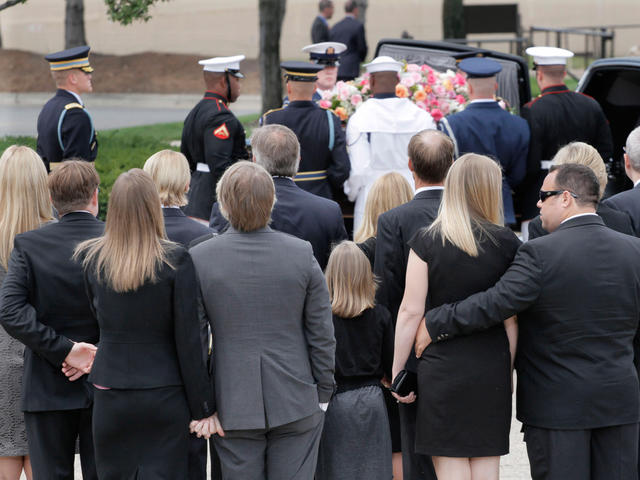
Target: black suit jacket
577	296
614	219
319	30
350	32
43	305
302	214
395	229
628	202
180	228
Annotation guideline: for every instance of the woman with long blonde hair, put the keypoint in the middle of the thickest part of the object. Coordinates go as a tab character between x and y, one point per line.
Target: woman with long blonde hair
149	374
24	205
464	400
356	442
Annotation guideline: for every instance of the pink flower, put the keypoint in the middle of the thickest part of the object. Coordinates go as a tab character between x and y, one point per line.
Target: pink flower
460	80
324	104
356	100
412	67
421	105
460	99
365	89
416	77
436	114
444	108
426	68
431	78
407	81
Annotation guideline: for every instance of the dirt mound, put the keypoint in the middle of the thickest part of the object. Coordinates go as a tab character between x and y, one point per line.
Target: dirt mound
140	73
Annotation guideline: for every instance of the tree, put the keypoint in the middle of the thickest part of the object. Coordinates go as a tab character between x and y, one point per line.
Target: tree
125	11
7	4
452	19
271	13
74	24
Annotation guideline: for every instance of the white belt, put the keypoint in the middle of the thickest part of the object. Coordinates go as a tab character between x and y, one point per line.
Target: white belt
544	164
202	167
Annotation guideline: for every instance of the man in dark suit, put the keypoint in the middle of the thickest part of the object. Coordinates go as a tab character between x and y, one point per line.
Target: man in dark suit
430	156
320	26
556	117
212	137
350	31
65	127
485	128
629	201
297	212
576	295
43	305
324	162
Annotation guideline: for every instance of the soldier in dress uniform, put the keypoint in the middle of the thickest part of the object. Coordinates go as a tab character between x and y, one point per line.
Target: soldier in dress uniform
65	127
557	117
484	127
212	137
327	55
324	161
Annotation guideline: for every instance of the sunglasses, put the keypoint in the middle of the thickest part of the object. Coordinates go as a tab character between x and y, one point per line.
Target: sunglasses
543	195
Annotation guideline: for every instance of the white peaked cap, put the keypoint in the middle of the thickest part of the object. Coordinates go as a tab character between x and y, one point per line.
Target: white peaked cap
222	64
334	48
383	64
549	55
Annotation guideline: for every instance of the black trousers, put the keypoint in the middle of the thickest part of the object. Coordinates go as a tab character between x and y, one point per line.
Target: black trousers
52	443
608	453
414	465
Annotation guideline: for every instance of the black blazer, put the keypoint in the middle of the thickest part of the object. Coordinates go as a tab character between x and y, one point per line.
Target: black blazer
628	202
319	30
395	229
150	337
350	32
302	214
180	228
614	219
576	293
43	306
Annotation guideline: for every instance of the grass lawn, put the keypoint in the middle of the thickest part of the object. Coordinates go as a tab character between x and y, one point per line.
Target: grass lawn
126	148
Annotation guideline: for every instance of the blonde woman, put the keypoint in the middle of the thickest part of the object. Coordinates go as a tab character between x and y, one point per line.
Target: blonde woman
149	374
356	442
387	192
170	172
464	402
584	154
24	205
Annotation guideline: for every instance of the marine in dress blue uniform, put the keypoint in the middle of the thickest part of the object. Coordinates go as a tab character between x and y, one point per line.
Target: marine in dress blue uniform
483	127
324	162
212	137
65	127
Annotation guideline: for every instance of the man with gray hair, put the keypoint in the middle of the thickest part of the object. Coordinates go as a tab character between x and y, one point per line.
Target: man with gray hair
302	214
629	201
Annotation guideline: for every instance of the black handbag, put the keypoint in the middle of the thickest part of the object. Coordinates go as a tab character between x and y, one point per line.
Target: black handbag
405	383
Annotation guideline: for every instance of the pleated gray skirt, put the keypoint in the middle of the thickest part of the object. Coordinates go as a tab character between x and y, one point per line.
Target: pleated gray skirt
356	443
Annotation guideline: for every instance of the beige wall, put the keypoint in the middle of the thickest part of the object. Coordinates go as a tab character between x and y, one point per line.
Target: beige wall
218	27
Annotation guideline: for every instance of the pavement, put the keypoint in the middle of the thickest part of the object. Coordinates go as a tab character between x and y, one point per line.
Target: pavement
19	111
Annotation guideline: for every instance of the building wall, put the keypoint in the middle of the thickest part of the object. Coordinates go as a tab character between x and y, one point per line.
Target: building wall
218	27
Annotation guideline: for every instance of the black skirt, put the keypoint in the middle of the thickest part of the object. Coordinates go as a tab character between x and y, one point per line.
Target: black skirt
141	434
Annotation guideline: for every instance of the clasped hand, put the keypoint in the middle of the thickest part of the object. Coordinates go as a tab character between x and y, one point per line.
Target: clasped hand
207	427
79	360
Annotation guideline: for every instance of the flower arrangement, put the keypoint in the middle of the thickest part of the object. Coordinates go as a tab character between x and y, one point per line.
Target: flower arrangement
439	93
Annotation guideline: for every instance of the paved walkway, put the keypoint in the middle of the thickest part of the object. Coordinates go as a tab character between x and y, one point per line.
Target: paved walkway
19	111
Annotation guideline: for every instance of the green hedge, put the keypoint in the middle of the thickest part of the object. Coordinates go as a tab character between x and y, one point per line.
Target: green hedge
126	148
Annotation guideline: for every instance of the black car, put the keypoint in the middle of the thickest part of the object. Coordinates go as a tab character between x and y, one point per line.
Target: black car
615	84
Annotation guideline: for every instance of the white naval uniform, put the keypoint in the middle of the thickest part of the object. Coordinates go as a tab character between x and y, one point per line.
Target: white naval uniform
378	135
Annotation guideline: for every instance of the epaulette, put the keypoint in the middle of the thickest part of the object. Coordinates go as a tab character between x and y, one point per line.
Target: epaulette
71	105
272	110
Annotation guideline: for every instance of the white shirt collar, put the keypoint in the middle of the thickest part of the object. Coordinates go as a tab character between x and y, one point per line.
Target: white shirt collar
426	189
636	184
482	100
170	206
77	96
578	215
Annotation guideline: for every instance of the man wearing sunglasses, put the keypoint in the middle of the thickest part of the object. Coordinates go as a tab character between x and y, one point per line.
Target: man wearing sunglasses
575	292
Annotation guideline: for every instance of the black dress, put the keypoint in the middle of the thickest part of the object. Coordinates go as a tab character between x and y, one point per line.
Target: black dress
464	405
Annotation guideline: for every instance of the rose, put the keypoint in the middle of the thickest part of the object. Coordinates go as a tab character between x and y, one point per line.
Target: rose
402	91
342	113
426	68
431	78
444	108
356	100
407	81
460	99
436	114
416	77
460	80
324	104
412	67
420	96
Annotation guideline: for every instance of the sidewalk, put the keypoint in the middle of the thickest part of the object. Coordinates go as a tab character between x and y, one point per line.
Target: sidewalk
19	111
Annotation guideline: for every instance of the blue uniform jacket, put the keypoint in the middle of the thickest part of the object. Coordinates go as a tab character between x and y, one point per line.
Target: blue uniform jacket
487	129
301	214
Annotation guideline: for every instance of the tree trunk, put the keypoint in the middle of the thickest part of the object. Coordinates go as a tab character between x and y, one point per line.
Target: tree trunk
362	10
271	14
74	24
452	19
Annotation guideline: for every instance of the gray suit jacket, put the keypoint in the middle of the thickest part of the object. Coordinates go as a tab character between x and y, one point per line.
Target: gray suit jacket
273	343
